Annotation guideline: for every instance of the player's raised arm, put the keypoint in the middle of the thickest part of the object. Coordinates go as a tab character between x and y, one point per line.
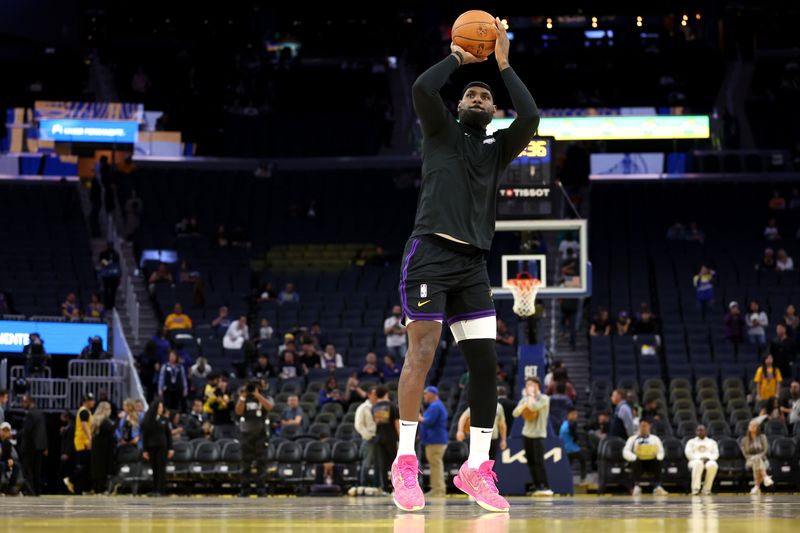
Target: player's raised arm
524	126
433	115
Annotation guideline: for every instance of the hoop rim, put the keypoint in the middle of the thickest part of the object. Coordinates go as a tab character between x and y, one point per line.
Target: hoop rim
523	281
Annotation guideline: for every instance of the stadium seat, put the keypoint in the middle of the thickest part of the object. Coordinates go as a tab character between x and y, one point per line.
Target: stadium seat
230	461
775	429
731	463
611	464
717	429
129	468
318	430
206	455
675	466
345	457
783	462
289	458
346	432
315	454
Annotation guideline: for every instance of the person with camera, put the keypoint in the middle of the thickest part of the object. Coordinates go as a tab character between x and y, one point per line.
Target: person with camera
252	408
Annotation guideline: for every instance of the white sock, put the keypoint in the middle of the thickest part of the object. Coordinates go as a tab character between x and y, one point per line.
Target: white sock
480	440
408	435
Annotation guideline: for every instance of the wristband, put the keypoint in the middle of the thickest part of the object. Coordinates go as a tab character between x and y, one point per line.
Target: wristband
459	56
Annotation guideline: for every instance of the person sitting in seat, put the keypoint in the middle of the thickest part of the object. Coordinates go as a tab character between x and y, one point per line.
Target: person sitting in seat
645	452
702	453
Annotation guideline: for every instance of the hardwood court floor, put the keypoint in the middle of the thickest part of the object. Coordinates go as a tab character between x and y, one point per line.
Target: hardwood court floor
717	514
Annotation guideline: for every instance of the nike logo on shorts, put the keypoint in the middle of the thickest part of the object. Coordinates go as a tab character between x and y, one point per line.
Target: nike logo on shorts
420	304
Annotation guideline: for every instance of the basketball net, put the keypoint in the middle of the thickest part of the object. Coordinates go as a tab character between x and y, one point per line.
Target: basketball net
524	288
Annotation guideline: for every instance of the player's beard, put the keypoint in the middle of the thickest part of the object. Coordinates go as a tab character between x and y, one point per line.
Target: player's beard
475	118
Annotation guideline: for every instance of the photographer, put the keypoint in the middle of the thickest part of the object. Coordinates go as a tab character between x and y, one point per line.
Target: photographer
252	408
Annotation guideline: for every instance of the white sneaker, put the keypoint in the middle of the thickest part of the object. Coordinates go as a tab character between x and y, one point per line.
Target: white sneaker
706	492
659	491
543	492
352	491
695	493
755	491
768	481
637	491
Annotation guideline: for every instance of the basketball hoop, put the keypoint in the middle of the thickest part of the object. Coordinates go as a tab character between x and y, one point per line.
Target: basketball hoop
524	288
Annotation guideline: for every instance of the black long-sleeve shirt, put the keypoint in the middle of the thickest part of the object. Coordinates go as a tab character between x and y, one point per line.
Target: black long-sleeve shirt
156	434
461	164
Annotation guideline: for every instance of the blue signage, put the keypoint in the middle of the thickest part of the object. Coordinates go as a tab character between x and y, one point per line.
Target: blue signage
94	131
66	338
512	469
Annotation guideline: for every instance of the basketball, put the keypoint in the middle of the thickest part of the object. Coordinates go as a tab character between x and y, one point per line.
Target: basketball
474	31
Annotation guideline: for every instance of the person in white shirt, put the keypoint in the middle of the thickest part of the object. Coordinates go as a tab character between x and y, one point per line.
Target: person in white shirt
756	321
395	333
331	358
569	243
784	262
236	335
702	453
365	426
645	452
201	369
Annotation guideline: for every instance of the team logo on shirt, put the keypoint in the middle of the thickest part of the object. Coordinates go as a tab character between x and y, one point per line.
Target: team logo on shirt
490	140
423	290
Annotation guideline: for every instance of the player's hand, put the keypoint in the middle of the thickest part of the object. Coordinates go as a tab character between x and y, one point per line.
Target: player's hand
460	436
468	58
145	456
170	454
503	444
501	45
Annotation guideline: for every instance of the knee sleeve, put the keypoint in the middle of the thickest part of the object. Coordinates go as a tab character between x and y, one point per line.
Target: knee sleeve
482	394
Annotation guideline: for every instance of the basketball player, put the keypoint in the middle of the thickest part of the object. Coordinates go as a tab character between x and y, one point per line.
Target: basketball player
443	273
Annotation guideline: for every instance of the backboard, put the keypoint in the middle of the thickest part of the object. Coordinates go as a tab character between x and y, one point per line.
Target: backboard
554	251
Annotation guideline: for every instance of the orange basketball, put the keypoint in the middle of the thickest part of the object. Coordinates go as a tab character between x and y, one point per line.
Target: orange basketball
474	31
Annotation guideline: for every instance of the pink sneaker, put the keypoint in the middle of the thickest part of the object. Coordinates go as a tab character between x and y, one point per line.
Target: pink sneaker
407	494
480	484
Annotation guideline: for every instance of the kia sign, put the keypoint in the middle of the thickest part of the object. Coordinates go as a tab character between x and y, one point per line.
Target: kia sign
90	131
63	338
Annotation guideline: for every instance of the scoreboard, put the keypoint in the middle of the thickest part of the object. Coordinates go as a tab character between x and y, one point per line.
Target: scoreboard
525	189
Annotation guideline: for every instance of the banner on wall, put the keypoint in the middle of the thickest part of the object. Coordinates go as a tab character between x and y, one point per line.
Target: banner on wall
88	111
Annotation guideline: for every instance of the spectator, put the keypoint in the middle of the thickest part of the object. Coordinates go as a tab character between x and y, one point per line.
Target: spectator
703	283
218	403
331	359
601	325
37	360
387	434
9	469
569	436
676	232
95	309
177	319
623	324
783	263
596	431
103	448
569	244
777	202
94	350
267	293
133	214
157	443
201	369
292	414
734	324
288	295
771	232
791	321
330	393
650	412
318	336
792	407
555	366
353	391
161	344
391	370
194	421
309	356
288	344
186	274
754	447
3	403
569	265
560	385
222	321
534	408
622	424
33	445
370	368
645	453
366	428
433	433
161	275
395	333
110	273
767	379
768	261
70	309
569	312
78	481
504	337
506	403
702	454
128	432
756	321
288	369
263	369
173	387
238	333
771	410
645	323
265	331
783	350
695	234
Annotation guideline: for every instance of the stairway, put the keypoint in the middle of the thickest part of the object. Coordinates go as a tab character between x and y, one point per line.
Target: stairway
136	293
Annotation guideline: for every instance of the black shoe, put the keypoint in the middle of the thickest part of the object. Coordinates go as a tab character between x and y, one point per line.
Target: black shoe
154	494
244	493
261	493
